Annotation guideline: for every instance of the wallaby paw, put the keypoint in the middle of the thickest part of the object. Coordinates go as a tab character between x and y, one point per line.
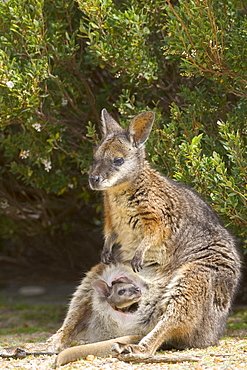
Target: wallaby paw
120	349
136	263
117	348
106	257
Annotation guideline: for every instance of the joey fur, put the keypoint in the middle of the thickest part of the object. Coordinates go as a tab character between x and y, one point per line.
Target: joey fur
121	295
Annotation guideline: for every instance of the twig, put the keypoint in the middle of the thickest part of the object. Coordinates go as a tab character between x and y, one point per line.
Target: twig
131	357
22	353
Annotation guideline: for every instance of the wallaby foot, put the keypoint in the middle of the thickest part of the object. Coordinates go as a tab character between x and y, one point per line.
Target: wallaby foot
58	341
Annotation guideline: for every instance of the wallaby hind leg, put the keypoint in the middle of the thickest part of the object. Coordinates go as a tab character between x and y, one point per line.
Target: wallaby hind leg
194	311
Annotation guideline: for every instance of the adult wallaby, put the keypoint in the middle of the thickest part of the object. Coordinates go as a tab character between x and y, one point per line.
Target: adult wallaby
172	233
158	221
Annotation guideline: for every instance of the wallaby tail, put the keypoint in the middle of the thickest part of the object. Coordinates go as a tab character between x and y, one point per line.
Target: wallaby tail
100	349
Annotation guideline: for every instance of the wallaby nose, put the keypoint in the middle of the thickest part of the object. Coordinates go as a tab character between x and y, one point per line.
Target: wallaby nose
94	179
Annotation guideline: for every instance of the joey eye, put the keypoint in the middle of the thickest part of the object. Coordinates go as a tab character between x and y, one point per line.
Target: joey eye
118	161
121	292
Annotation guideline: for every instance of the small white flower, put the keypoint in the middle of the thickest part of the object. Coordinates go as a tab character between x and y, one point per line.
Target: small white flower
47	164
193	53
10	84
4	204
184	54
37	126
24	154
64	102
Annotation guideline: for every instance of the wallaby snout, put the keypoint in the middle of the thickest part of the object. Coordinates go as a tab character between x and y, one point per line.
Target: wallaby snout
94	181
137	291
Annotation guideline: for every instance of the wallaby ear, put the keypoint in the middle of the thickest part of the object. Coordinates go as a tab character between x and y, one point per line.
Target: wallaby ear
109	125
101	287
140	128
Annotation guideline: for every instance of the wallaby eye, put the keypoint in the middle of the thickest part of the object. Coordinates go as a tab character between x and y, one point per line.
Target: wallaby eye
121	292
118	161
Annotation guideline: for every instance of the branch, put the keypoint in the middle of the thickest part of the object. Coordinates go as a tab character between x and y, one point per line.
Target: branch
157	358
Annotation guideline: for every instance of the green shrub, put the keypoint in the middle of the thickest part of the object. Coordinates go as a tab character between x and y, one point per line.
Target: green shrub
208	39
45	108
62	62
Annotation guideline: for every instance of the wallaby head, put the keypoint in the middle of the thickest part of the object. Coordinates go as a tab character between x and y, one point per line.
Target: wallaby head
121	294
120	156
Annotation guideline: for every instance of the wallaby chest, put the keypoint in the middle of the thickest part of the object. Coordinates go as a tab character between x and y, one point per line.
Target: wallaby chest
125	218
126	213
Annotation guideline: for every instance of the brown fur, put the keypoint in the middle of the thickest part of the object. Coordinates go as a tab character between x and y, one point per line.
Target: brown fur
158	221
171	236
188	257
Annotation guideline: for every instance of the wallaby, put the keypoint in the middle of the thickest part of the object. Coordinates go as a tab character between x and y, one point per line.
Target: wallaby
167	232
170	231
122	295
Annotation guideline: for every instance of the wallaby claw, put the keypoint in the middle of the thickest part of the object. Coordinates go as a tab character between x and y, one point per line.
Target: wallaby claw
116	348
106	257
136	264
127	349
120	348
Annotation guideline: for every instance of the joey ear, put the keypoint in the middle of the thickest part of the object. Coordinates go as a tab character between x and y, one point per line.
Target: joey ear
140	128
101	287
122	279
109	125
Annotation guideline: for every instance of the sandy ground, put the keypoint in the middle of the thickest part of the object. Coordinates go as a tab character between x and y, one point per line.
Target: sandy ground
231	353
